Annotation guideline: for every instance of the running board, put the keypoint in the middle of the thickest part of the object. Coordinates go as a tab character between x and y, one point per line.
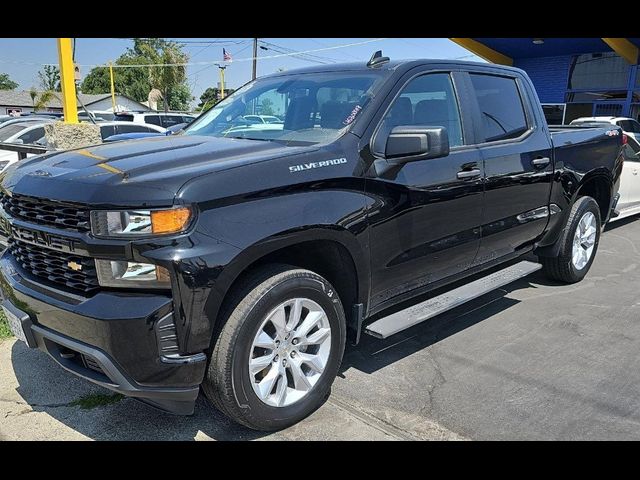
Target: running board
396	322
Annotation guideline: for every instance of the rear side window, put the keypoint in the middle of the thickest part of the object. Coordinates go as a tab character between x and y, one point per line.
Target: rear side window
170	120
123	117
133	128
501	107
32	136
153	120
187	119
107	130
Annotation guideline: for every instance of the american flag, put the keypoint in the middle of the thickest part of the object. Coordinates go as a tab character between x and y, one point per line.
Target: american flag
226	56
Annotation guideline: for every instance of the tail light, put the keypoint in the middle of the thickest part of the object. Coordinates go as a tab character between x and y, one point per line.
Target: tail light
625	139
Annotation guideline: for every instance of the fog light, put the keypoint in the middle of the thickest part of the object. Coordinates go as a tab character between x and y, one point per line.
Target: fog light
123	274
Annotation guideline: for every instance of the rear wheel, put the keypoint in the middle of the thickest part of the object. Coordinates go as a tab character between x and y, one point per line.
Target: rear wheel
578	243
279	350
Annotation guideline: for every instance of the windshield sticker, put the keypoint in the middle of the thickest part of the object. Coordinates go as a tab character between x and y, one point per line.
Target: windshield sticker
352	115
324	163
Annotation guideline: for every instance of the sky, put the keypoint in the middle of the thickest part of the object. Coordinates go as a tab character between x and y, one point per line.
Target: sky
22	58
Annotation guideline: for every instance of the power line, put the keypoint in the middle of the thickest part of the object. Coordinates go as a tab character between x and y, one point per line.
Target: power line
247	59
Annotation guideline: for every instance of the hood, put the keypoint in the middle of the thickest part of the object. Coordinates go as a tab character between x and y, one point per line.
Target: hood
144	172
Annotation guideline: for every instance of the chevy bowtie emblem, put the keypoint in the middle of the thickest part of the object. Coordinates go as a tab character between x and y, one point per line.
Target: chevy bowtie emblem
74	266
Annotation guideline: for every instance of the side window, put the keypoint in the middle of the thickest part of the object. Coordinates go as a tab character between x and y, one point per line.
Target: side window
427	100
132	128
107	130
170	120
501	107
634	127
624	125
153	119
32	136
187	119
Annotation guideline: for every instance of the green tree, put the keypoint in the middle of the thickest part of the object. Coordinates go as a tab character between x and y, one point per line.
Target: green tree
6	83
50	78
136	83
211	96
267	107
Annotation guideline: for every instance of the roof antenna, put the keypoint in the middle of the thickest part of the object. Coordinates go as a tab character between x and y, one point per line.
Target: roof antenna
377	59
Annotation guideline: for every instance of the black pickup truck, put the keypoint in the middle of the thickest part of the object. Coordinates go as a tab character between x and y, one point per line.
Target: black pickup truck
240	256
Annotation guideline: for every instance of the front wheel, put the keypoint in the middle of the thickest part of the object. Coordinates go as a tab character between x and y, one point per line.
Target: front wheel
279	350
578	243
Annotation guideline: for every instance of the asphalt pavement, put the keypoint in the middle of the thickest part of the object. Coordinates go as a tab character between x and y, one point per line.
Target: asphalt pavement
532	361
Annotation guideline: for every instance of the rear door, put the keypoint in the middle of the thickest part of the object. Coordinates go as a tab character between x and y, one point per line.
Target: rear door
516	150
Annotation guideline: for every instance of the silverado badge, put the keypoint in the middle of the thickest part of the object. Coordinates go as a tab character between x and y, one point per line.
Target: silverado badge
74	266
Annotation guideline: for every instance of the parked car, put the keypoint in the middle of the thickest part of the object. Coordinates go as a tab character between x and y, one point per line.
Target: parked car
160	119
25	132
264	119
33	133
629	203
242	261
137	135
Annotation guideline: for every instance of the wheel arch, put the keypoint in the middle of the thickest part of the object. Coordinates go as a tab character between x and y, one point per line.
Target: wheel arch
333	253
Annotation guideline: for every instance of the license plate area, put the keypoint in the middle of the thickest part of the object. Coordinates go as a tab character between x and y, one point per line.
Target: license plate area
18	322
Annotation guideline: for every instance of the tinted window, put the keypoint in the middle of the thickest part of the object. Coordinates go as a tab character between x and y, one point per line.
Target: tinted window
187	119
123	117
428	100
134	127
32	136
153	119
634	127
107	130
11	130
501	107
169	120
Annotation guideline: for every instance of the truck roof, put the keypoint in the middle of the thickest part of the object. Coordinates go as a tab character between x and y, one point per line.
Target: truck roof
390	65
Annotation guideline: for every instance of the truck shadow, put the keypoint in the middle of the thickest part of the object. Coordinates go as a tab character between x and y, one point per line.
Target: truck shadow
373	354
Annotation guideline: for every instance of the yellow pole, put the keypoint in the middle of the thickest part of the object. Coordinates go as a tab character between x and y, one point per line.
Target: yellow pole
222	82
67	80
113	88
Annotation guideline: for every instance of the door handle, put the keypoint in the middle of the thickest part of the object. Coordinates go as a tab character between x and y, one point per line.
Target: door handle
540	162
463	174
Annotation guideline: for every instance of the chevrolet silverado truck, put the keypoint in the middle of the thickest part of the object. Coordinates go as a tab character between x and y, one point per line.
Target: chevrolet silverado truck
240	258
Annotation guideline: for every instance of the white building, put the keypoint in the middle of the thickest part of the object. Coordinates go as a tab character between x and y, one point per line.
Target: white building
19	101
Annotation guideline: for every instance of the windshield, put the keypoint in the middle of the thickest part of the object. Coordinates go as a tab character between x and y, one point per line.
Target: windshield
303	108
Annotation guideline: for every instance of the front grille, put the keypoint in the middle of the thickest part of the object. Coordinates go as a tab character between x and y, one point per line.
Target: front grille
62	215
54	266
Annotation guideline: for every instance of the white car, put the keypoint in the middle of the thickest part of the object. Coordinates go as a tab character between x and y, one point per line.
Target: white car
629	202
32	133
160	119
263	119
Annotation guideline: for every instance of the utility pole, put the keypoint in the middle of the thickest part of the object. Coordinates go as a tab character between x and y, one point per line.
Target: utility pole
255	58
221	81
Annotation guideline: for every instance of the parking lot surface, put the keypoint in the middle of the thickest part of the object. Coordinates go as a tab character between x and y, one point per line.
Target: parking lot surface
534	361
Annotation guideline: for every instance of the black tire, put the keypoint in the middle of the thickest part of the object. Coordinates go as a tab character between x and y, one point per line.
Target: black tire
561	267
227	381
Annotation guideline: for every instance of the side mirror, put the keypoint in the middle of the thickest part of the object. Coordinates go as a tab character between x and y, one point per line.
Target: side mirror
410	143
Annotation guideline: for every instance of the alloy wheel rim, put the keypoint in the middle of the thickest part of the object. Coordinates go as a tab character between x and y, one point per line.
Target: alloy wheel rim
584	241
289	352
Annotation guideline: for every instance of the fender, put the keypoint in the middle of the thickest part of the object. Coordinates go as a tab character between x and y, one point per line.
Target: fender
565	192
247	256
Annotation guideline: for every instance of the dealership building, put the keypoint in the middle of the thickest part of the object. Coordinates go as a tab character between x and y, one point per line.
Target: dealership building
574	77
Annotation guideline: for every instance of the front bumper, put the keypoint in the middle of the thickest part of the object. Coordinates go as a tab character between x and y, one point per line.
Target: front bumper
117	340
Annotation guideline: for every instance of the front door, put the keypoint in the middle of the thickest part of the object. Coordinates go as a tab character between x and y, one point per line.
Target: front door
425	216
518	164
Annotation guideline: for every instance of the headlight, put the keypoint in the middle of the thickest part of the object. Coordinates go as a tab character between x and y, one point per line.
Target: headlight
138	223
125	274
